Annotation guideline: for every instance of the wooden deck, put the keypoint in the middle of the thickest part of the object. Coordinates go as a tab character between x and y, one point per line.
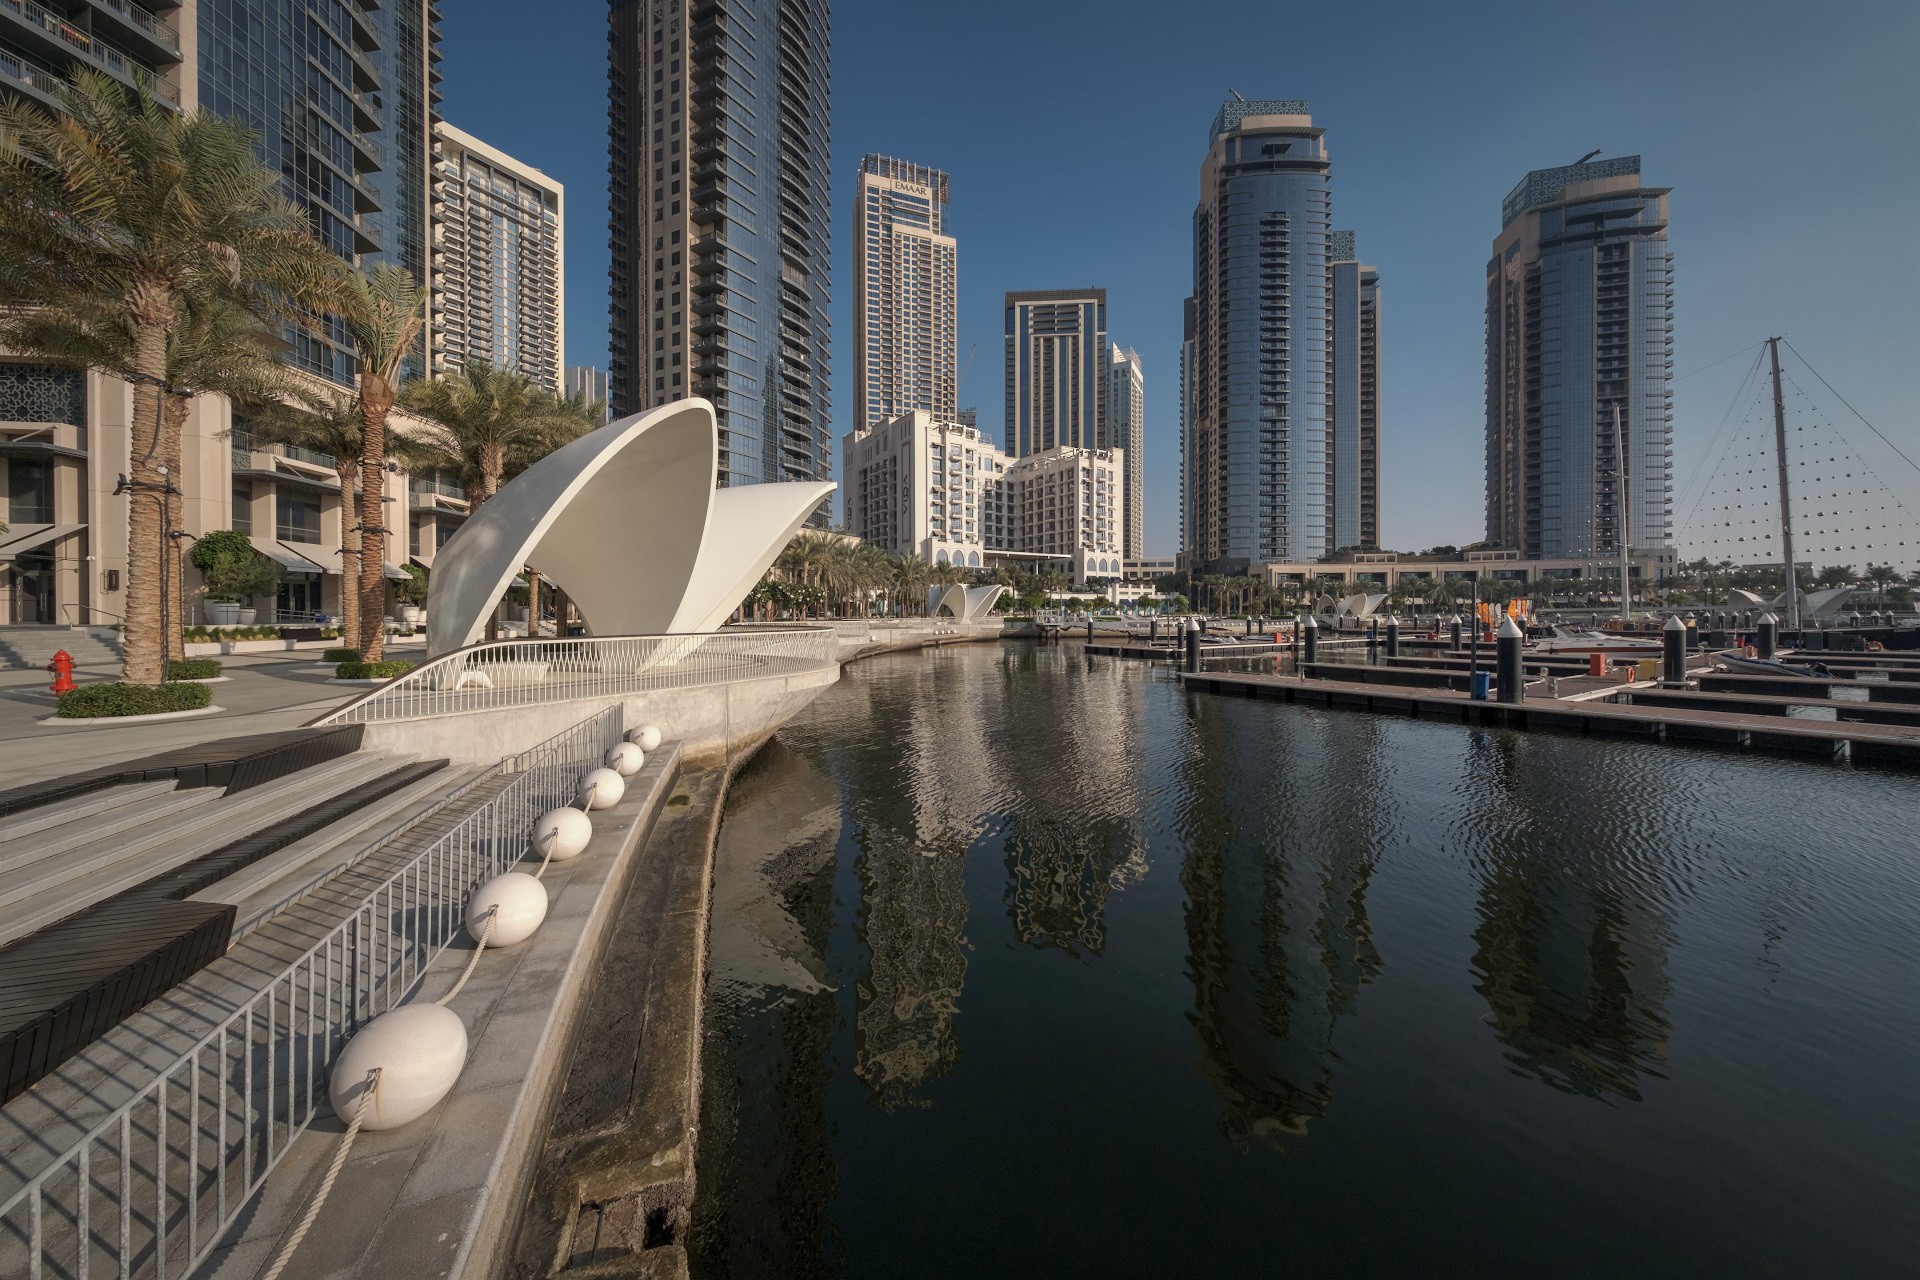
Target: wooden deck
1893	746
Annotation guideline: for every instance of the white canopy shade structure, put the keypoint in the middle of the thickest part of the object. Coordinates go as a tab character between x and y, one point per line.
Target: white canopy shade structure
627	520
969	604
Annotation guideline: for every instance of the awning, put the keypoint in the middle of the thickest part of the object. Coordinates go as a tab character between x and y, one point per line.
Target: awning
286	557
398	575
31	537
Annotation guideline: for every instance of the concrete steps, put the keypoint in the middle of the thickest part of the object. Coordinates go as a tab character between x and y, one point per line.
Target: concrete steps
33	647
55	872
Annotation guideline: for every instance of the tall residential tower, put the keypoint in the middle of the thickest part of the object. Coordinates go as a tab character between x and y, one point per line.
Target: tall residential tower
1056	369
905	303
1353	396
498	253
1256	453
718	182
1125	428
1579	326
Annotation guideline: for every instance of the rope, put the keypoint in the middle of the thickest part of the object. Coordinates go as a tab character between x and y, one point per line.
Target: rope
326	1183
485	929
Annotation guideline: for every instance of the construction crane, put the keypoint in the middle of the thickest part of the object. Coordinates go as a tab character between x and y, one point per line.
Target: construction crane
963	370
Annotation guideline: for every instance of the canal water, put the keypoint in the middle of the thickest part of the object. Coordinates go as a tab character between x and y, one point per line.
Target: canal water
1027	963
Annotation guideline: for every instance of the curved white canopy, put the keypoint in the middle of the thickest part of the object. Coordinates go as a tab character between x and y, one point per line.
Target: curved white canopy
627	520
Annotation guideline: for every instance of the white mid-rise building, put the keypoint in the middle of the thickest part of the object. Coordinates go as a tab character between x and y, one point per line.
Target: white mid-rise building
921	486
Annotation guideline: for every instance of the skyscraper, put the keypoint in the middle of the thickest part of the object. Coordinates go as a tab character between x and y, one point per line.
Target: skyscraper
498	253
343	97
1579	325
1125	428
589	382
905	305
1257	430
1056	369
718	182
1353	395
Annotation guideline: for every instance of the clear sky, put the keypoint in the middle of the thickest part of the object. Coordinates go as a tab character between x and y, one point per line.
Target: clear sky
1074	132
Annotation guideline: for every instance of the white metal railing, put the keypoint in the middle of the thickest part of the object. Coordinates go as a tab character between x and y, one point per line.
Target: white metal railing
519	673
151	1188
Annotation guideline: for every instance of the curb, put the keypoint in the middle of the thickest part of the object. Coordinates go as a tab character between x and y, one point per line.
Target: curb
57	721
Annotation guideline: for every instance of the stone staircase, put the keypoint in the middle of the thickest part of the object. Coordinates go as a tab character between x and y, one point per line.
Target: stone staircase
111	897
32	647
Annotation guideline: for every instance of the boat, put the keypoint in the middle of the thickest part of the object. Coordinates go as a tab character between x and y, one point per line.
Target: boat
1575	643
1737	662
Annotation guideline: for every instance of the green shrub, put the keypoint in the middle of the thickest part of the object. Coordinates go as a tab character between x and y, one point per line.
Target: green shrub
92	700
193	669
371	670
340	655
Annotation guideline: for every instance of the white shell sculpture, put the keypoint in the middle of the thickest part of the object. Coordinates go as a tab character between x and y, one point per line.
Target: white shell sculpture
647	480
567	829
419	1049
646	737
602	788
625	759
518	902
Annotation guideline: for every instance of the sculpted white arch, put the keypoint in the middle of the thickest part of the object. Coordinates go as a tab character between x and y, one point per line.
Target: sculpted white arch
969	604
627	521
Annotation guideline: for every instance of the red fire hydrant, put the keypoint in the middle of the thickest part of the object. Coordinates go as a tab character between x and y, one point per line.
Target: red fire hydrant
62	668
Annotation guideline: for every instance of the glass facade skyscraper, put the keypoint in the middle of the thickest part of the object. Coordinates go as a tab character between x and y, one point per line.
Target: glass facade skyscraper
1256	430
1353	395
1579	328
718	185
343	97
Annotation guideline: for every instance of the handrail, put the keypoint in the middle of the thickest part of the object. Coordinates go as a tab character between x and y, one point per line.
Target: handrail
153	1186
494	675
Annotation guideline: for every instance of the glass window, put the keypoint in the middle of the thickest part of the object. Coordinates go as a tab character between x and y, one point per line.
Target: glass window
297	520
242	521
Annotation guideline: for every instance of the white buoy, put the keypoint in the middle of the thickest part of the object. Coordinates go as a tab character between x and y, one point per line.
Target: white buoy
625	759
562	833
518	902
419	1050
602	788
646	737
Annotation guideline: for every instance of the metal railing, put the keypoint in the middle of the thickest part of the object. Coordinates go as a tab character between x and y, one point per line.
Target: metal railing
151	1188
520	673
95	50
144	20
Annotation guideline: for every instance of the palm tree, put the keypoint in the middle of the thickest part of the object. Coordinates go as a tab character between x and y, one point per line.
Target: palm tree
491	424
132	219
385	311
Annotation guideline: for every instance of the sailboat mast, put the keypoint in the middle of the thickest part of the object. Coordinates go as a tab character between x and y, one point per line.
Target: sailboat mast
1786	508
1620	482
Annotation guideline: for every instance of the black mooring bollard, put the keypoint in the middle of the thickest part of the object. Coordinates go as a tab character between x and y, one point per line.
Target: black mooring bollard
1312	630
1508	639
1769	635
1393	636
1692	625
1453	633
1153	631
1373	642
1193	646
1089	630
1673	651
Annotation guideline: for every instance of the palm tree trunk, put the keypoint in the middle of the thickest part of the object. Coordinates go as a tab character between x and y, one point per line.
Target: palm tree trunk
175	408
376	400
143	648
347	470
533	603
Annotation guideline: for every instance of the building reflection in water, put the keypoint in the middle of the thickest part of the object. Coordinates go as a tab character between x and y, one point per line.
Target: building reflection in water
1282	828
1570	951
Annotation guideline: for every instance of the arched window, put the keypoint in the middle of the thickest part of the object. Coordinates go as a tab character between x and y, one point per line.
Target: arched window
973	559
940	558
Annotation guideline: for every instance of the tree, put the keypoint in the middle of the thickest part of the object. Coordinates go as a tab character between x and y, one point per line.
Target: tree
132	220
490	425
230	566
328	422
385	310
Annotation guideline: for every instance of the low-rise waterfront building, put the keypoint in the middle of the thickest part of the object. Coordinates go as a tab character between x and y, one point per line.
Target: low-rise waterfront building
934	488
1388	569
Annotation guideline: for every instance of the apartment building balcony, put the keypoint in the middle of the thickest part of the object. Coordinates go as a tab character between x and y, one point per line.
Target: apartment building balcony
35	81
137	28
40	30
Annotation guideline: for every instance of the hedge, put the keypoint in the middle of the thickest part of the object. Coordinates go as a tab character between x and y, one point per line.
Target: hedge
371	670
193	669
94	700
340	655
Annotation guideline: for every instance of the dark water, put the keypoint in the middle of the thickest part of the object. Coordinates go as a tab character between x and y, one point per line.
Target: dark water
1026	964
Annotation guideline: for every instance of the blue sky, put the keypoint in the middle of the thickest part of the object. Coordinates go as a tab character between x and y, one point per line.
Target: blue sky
1790	134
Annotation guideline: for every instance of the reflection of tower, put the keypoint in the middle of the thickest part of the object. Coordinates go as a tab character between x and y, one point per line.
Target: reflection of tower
1278	935
1058	879
1570	951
